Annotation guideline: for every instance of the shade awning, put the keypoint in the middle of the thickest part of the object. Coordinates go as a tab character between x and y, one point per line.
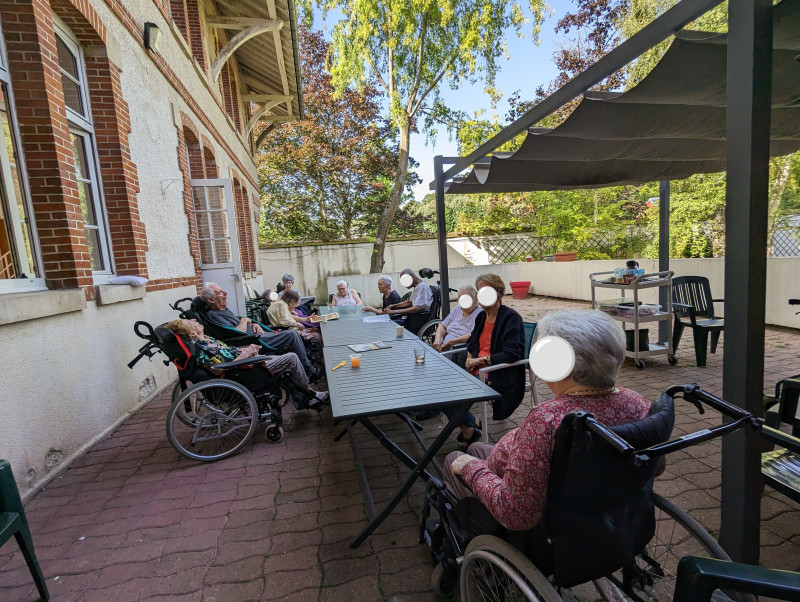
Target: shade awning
668	127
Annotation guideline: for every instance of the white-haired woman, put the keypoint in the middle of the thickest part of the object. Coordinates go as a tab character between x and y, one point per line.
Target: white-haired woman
510	478
345	296
389	296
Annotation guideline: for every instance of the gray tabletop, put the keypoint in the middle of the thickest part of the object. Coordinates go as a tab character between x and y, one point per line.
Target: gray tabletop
389	381
351	331
346	312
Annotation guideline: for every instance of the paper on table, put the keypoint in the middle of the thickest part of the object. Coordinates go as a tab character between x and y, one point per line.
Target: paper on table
381	318
360	347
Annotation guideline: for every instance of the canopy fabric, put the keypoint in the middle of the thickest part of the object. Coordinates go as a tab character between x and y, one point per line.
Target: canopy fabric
668	127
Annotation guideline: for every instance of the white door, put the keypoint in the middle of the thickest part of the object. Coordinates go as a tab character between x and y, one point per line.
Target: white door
214	217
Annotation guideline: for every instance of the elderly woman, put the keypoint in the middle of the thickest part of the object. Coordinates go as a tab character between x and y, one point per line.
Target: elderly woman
498	338
209	352
288	285
281	313
510	478
345	296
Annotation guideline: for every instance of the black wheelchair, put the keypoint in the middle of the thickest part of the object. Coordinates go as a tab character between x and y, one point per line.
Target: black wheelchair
602	522
215	416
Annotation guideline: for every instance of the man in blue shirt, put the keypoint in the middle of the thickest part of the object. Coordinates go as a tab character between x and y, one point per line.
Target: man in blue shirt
218	313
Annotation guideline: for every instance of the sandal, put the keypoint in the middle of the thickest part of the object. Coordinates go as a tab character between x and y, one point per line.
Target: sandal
465	443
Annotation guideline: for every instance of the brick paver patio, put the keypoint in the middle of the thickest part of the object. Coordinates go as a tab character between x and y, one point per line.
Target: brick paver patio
132	520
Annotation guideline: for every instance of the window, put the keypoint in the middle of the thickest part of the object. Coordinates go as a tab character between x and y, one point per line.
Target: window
19	261
87	176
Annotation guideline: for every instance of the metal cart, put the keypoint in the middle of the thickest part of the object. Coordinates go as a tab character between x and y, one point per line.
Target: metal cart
635	316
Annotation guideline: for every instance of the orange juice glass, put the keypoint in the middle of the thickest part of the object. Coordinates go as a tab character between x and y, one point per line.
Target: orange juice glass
355	360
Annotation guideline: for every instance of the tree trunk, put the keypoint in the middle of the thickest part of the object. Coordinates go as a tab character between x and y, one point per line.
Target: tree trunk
377	261
784	165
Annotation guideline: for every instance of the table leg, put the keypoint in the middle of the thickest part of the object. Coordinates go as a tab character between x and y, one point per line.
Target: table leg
419	469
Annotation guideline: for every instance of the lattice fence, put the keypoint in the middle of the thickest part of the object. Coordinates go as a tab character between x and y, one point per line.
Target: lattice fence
621	244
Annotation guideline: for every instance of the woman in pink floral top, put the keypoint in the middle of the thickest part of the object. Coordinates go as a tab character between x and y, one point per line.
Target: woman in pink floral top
510	478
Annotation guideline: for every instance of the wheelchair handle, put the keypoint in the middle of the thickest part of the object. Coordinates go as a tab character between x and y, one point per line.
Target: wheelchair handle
694	394
149	336
177	305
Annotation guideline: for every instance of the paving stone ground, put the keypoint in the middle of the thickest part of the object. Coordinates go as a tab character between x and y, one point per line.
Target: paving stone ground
132	520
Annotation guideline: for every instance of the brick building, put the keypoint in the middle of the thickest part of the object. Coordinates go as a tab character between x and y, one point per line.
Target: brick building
129	131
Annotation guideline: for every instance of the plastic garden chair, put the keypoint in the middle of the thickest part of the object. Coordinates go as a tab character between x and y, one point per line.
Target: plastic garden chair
694	307
13	522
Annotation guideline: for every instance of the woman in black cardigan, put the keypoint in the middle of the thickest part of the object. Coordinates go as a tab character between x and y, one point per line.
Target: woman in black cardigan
498	338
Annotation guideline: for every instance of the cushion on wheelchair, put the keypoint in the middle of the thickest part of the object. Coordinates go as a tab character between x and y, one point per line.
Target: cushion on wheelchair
180	352
599	513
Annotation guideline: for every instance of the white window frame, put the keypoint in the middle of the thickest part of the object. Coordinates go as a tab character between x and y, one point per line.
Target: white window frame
82	125
34	283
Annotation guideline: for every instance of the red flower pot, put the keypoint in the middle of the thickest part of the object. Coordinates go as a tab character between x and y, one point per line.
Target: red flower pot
520	288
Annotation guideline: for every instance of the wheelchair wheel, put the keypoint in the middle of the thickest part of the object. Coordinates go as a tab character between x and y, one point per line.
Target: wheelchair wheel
428	331
677	535
443	582
495	570
185	413
222	417
273	434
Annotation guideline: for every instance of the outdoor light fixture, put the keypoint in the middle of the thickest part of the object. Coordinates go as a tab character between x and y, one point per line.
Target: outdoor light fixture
152	36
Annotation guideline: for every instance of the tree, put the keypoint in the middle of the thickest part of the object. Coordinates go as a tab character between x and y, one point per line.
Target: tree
325	177
410	47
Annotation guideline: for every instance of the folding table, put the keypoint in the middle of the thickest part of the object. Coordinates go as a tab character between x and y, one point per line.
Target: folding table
389	381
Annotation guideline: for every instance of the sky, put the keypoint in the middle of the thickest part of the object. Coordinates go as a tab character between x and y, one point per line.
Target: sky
529	67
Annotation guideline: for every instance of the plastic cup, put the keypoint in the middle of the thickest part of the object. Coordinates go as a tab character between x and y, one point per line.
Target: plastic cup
355	360
419	355
399	330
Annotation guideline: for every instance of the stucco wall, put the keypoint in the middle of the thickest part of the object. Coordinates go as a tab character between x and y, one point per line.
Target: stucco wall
317	268
153	139
68	382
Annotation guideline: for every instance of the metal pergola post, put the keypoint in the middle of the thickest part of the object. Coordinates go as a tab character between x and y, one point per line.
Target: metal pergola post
748	138
441	230
664	333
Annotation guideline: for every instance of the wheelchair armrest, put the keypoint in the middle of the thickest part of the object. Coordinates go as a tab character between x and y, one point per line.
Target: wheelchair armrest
780	438
244	340
484	371
458	348
239	363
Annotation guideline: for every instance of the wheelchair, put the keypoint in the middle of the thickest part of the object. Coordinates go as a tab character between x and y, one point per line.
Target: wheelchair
602	522
215	417
427	331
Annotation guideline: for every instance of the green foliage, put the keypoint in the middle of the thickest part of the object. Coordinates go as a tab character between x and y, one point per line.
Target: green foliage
328	176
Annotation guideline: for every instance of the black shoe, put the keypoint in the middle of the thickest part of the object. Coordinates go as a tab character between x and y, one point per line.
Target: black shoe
465	443
314	374
319	401
477	426
426	414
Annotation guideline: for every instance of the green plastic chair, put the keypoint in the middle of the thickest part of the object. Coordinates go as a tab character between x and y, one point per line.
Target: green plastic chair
13	522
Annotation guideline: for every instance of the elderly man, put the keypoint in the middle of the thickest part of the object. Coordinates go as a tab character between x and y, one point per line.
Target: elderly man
218	313
459	323
390	296
417	309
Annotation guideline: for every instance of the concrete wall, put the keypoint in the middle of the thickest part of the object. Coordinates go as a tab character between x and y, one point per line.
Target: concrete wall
317	268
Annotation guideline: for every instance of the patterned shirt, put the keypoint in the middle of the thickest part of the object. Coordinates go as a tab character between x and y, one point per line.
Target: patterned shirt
512	481
209	352
348	299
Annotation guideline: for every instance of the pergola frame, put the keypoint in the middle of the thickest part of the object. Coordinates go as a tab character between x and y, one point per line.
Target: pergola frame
749	74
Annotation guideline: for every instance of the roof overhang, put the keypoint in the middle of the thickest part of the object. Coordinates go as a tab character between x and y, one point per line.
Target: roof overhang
261	36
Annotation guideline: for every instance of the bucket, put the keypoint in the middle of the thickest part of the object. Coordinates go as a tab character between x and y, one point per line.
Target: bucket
520	288
644	339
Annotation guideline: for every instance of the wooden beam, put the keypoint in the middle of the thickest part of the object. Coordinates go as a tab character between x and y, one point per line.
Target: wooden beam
266	97
221	22
255	117
240	38
276	36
